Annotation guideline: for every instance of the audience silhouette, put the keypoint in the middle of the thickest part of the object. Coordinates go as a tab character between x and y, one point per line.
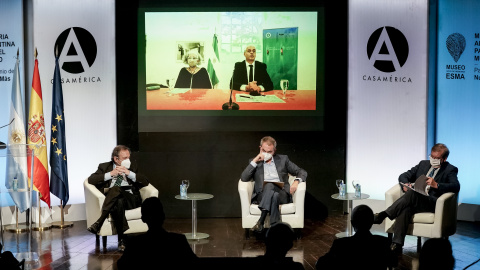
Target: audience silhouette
360	251
278	241
157	248
436	254
8	261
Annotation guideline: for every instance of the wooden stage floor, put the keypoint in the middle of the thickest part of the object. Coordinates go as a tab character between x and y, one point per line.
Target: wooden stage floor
74	248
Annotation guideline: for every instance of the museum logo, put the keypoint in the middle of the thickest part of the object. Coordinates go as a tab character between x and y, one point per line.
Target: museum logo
77	50
455	44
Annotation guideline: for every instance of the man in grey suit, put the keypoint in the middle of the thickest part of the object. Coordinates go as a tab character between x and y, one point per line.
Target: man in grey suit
270	173
442	178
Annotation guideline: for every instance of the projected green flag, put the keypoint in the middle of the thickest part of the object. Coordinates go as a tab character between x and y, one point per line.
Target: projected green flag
213	59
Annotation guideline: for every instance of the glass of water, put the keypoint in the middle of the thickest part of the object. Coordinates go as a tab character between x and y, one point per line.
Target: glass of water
284	86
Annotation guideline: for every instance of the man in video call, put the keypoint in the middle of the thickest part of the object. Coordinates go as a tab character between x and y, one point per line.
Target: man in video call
119	181
250	75
273	170
442	178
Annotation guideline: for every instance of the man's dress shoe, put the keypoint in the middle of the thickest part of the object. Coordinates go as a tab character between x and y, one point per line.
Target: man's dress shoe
121	245
396	248
258	228
379	217
94	228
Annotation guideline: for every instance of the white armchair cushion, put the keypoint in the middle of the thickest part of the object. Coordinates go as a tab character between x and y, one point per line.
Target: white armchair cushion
285	209
426	218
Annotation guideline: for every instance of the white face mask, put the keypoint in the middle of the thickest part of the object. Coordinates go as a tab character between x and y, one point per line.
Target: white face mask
126	163
267	156
435	162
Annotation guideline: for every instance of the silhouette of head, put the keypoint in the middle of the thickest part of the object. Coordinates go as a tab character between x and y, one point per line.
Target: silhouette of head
436	254
279	239
362	218
152	212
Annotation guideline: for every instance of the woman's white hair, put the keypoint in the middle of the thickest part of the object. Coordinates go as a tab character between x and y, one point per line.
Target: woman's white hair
185	57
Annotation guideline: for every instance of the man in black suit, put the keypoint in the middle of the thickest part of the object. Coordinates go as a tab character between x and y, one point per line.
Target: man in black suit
120	182
442	178
270	172
251	75
360	251
157	249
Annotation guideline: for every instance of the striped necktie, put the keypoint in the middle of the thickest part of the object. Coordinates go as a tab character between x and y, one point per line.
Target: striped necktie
432	172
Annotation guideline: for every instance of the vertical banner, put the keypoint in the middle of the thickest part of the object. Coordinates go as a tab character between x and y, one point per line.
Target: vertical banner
281	55
11	40
387	91
84	34
458	90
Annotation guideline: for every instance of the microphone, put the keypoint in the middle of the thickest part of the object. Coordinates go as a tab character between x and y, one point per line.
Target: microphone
2	144
231	105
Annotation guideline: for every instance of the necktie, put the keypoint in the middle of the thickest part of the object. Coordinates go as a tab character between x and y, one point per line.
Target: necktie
119	180
432	172
250	75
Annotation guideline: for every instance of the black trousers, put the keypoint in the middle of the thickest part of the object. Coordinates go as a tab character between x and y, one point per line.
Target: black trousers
270	198
403	209
116	202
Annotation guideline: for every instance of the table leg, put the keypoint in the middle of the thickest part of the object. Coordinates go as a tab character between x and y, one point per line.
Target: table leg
349	223
349	218
194	219
194	235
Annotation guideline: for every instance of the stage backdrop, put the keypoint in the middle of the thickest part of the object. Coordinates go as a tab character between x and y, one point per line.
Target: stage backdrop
458	95
11	40
387	85
84	33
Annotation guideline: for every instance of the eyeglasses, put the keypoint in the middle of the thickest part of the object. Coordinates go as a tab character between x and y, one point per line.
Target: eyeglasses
189	58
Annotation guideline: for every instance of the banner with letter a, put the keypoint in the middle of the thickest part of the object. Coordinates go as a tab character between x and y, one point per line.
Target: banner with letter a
83	32
387	91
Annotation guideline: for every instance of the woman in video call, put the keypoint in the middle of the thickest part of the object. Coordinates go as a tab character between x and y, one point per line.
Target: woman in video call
193	76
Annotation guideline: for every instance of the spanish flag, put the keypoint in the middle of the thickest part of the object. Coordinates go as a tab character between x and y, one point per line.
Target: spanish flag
36	135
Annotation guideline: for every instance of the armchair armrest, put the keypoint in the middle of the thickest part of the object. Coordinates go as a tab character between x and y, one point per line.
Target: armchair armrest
245	190
393	194
445	215
148	191
93	202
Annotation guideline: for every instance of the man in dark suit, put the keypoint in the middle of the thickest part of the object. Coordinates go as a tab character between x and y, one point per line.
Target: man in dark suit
360	251
442	178
157	249
251	75
270	172
120	182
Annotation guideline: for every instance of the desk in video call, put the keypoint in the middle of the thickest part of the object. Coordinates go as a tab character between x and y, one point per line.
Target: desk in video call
212	99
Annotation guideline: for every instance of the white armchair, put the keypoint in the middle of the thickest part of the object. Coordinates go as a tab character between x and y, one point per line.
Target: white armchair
291	213
440	224
93	205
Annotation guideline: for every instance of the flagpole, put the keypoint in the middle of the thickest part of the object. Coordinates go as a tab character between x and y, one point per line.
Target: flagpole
17	228
39	227
62	224
58	158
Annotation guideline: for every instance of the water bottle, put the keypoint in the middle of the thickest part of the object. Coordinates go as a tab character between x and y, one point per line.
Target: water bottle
15	184
183	191
358	192
342	190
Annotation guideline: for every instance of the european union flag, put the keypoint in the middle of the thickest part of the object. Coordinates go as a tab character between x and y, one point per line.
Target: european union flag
58	144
